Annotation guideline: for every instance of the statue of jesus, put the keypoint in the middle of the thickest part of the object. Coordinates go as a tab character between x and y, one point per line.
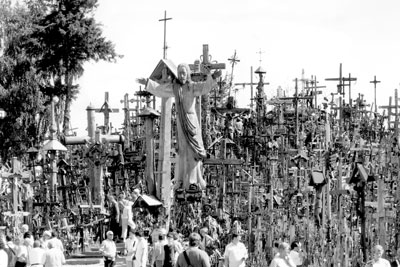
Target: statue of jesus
190	143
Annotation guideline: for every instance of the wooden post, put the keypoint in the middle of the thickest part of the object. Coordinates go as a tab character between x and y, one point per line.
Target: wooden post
375	82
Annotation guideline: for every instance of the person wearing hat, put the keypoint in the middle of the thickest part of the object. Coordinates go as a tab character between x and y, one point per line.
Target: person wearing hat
193	256
235	252
45	239
109	250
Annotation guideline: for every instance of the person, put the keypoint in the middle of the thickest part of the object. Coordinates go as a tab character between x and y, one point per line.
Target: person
169	251
377	260
36	256
22	251
157	259
130	248
3	253
53	257
396	262
11	250
282	259
190	144
235	253
126	217
142	251
23	230
57	243
45	239
109	250
193	256
178	246
206	240
296	253
114	215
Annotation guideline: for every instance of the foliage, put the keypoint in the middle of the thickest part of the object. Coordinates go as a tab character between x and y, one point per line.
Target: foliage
43	46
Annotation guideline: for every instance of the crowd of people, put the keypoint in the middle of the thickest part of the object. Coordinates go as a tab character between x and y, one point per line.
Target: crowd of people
27	250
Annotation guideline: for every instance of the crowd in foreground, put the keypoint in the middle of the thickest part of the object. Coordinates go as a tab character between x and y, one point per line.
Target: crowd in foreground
27	250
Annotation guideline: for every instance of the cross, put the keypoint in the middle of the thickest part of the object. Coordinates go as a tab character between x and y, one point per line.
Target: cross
260	52
106	110
127	125
165	34
314	88
375	82
251	87
390	107
233	61
341	84
14	178
296	99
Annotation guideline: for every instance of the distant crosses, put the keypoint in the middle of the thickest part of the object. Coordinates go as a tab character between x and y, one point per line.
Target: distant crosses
342	83
106	110
251	87
312	85
375	82
165	34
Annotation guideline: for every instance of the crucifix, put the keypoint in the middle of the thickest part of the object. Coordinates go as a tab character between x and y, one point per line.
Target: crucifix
106	110
375	82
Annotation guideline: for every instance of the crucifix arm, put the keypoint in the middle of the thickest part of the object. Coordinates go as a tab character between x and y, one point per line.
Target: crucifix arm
202	88
160	90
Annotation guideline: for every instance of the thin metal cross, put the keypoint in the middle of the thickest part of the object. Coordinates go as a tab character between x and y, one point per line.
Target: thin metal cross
260	52
165	34
375	82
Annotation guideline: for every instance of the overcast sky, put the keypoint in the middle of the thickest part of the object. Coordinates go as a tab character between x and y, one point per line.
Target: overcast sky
313	35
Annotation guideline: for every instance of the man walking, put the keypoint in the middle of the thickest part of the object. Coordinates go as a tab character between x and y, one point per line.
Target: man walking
109	250
235	253
193	256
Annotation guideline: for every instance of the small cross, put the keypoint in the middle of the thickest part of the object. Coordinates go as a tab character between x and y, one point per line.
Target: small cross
375	82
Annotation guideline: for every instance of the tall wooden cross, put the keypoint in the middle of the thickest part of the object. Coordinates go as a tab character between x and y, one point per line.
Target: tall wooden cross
342	83
127	119
234	60
165	34
313	87
390	109
106	110
375	82
251	83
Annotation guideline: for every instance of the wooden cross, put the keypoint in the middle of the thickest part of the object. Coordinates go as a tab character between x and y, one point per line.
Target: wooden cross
127	118
106	110
313	82
234	60
15	179
296	99
375	82
391	107
165	34
251	87
342	84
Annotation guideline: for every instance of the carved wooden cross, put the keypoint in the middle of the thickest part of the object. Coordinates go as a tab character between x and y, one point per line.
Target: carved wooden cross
106	110
15	179
342	83
375	82
390	109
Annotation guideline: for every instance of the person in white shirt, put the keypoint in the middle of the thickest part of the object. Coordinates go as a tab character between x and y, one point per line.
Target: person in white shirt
53	257
377	260
3	254
109	250
57	243
36	256
130	248
142	251
296	253
45	239
235	253
126	217
282	259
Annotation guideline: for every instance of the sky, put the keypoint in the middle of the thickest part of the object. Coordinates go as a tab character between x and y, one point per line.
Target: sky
292	35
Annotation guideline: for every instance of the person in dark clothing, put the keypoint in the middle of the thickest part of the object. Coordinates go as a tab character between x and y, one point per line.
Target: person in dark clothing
169	251
193	256
114	216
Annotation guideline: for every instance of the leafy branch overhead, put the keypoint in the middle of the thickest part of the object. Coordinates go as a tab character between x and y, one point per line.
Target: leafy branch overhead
44	45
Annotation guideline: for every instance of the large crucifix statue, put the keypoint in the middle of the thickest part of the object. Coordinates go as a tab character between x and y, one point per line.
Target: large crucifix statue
191	150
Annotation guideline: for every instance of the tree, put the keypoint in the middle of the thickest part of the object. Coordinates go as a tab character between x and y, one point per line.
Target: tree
66	38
